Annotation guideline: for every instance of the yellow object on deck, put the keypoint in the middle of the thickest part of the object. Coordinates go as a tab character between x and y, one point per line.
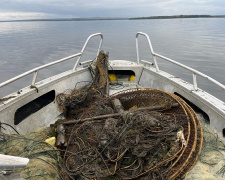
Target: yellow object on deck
112	77
51	141
132	77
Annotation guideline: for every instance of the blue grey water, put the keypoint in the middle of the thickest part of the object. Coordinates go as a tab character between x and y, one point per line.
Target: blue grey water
198	43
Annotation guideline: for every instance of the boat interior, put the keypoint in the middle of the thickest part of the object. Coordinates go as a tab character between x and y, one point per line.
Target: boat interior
35	106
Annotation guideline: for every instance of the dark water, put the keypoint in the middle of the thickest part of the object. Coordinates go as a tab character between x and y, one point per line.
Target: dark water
198	43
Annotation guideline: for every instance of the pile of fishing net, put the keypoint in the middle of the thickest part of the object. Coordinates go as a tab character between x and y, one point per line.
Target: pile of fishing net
73	102
45	159
136	134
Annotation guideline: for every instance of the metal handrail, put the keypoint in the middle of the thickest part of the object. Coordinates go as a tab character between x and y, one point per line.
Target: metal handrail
84	47
194	72
35	70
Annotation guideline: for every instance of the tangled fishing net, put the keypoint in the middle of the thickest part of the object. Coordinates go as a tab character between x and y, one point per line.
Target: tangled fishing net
150	134
134	134
44	159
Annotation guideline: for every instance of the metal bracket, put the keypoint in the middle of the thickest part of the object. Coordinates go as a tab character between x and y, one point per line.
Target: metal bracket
6	172
34	87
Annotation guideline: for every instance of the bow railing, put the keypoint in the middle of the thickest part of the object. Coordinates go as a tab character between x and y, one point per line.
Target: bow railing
37	69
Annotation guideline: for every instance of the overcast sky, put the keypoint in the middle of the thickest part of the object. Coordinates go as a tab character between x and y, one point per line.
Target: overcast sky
30	9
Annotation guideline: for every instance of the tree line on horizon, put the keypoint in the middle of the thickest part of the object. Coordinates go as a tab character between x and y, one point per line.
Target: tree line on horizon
174	16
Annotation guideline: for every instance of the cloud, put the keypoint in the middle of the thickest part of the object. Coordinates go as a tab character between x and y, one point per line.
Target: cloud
4	16
112	8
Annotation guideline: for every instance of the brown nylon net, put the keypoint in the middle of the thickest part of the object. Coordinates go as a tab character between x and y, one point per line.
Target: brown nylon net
134	134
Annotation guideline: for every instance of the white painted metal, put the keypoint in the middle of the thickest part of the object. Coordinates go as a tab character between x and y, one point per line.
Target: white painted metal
150	46
59	83
195	82
14	176
8	166
195	72
12	162
145	76
147	62
68	79
35	70
127	65
34	78
192	70
82	51
86	62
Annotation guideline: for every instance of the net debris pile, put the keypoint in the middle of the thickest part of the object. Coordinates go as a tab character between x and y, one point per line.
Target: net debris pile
73	103
143	134
134	134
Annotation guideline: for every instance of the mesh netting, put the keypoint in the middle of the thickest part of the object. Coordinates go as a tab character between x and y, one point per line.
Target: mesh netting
155	136
44	158
211	162
134	134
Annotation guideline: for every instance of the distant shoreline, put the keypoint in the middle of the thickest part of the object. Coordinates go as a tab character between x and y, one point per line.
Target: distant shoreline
179	16
134	18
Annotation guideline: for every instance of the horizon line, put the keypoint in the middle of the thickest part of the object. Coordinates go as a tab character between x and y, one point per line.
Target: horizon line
117	18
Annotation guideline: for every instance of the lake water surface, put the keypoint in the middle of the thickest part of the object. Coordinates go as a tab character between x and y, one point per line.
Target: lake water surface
198	43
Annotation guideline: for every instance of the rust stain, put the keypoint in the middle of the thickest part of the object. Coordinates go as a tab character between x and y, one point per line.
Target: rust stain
6	99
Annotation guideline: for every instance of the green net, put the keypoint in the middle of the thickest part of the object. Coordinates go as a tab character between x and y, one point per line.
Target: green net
44	159
211	163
